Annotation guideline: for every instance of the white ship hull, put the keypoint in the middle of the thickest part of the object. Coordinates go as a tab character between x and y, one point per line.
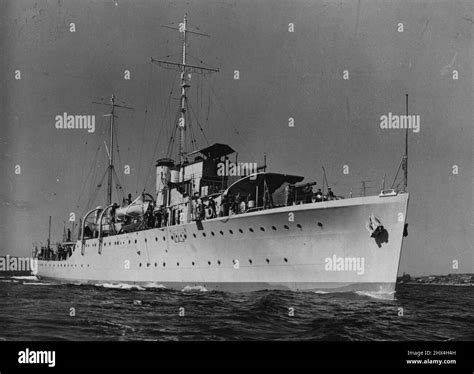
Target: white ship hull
280	253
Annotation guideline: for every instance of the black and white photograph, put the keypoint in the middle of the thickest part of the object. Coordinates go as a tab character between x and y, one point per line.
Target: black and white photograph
233	177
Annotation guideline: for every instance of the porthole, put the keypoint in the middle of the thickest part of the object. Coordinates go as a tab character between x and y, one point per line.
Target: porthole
320	224
286	227
135	241
231	232
286	260
194	234
156	264
140	264
241	231
145	240
250	261
251	229
212	233
147	264
193	263
268	261
299	226
221	232
185	236
262	229
129	242
204	234
177	264
274	228
164	264
156	239
218	262
209	263
164	238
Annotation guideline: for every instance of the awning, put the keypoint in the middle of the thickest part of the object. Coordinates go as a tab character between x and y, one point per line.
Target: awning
273	181
214	151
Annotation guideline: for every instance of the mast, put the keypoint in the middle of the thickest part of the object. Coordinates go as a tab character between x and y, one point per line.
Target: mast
185	69
184	86
110	153
49	232
405	157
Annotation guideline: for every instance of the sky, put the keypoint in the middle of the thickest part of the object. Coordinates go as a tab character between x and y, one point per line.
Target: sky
388	48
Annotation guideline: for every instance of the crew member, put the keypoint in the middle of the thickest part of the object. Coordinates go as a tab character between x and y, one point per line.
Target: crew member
319	195
331	194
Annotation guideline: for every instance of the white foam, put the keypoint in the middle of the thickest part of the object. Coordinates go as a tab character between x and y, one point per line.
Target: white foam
153	285
26	277
381	295
321	292
120	286
194	288
40	284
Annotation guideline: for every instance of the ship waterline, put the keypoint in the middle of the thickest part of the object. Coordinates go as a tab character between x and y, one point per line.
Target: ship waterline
315	246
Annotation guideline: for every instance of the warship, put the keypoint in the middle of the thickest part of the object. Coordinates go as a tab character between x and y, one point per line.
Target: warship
207	229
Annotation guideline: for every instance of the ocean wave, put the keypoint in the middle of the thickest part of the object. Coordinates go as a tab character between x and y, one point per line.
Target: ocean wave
194	288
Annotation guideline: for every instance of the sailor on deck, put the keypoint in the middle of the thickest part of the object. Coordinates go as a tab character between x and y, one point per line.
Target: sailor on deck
319	195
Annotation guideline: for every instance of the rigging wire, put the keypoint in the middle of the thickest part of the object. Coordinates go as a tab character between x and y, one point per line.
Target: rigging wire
244	142
93	196
118	186
143	128
193	139
94	161
160	129
199	124
173	135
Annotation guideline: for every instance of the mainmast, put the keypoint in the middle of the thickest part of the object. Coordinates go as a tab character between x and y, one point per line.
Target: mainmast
185	69
110	151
